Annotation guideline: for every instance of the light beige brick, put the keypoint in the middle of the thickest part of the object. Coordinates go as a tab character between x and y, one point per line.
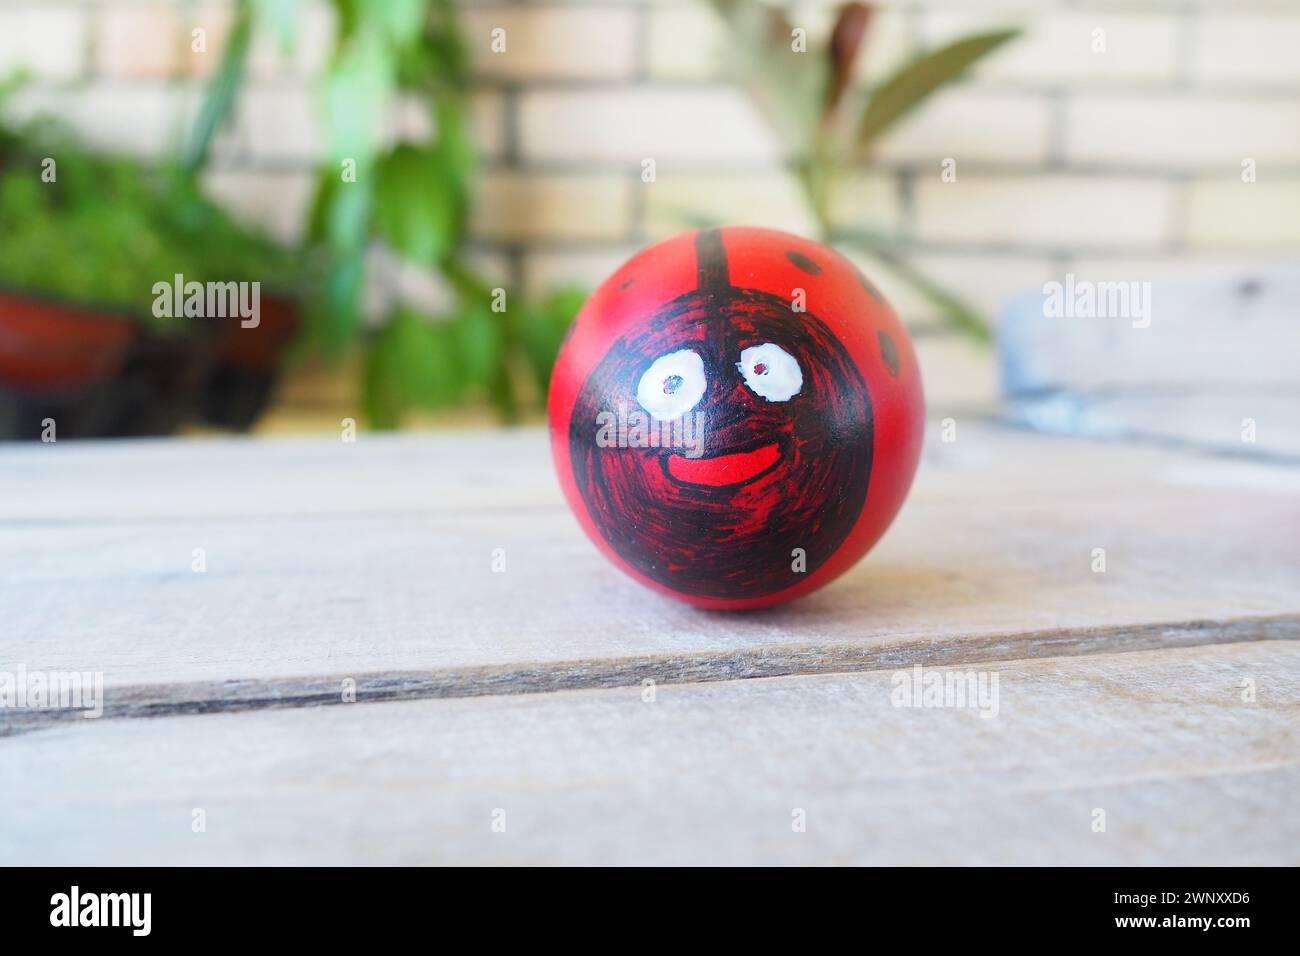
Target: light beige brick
134	39
215	20
313	43
279	125
48	39
515	206
709	125
889	44
1190	264
488	122
969	124
553	42
276	202
1260	47
985	283
678	202
958	375
686	42
690	42
392	281
1058	46
412	120
1228	212
1058	210
424	289
1182	130
545	270
135	118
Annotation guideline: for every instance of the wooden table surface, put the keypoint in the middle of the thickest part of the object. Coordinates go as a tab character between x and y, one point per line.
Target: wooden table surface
558	712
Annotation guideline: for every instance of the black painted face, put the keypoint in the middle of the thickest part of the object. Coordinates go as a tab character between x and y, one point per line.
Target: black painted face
785	458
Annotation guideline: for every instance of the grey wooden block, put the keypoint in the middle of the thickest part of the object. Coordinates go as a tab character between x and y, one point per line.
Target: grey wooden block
1197	361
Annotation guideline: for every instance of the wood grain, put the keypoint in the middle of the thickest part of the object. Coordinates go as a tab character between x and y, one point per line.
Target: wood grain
1186	770
373	562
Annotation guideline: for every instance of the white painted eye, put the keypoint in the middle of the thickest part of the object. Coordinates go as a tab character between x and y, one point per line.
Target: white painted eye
771	372
672	386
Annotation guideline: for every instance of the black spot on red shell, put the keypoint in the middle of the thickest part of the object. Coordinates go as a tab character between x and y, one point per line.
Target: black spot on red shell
871	289
627	283
803	262
888	352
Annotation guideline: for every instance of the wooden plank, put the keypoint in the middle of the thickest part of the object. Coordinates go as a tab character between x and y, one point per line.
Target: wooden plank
374	562
1186	770
510	470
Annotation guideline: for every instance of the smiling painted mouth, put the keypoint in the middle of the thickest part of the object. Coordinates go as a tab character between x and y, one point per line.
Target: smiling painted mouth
734	469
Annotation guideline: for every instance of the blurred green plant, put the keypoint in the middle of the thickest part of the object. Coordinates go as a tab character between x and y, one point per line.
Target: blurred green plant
413	197
828	127
99	229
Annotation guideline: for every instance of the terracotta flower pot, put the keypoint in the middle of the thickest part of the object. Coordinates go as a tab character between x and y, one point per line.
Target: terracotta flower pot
243	376
102	373
96	373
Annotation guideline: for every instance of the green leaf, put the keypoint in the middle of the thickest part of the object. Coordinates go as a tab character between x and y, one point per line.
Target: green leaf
221	92
340	309
543	333
340	213
480	345
281	16
415	204
449	55
788	87
348	13
400	20
467	283
954	311
412	363
14	81
116	226
456	153
912	84
357	87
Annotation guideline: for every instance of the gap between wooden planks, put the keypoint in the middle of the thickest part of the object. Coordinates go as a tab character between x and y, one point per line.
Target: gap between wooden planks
169	700
1186	766
371	562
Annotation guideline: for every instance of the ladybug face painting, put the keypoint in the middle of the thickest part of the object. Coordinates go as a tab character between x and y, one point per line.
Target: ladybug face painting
714	421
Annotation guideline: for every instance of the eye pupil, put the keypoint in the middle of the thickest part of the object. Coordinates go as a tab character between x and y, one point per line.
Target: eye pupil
672	383
770	372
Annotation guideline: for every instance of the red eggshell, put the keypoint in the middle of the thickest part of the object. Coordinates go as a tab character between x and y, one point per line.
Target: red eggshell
856	423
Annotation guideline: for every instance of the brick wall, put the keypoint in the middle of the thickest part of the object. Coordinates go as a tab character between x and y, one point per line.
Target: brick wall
1122	164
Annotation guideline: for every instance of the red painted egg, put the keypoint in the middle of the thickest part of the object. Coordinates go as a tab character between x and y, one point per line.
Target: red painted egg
736	416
